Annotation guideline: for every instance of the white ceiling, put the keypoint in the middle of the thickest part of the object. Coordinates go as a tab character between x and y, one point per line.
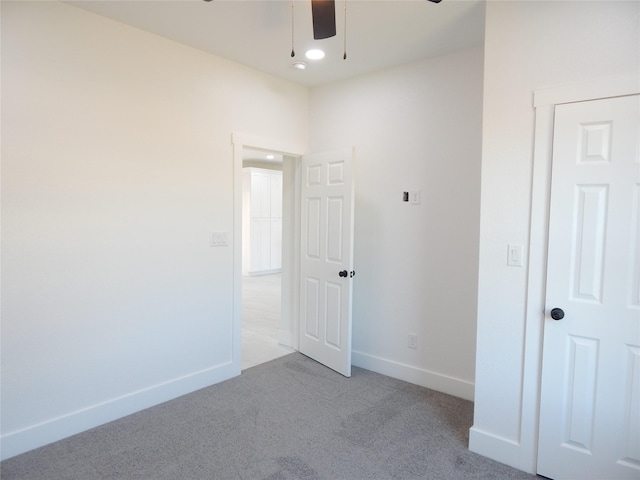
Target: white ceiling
258	33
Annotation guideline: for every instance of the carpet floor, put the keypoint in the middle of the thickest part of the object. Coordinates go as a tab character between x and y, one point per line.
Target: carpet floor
290	418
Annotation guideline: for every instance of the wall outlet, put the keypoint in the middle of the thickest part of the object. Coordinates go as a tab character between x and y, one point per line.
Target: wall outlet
413	340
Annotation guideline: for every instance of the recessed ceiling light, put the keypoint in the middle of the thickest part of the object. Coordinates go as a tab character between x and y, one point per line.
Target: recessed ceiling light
314	54
270	157
299	65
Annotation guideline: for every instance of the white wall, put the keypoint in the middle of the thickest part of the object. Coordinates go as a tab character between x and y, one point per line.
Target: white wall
117	163
528	46
416	126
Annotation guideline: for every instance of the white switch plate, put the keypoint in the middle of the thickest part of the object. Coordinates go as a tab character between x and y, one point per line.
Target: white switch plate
515	257
218	239
414	197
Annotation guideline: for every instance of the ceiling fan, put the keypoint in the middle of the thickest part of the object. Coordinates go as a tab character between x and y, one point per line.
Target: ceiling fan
324	18
323	14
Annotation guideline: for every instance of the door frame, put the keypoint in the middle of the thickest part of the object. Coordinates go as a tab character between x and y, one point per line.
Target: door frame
290	239
544	103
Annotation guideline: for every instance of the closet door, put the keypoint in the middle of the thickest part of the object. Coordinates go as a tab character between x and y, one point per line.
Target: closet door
590	392
262	221
260	194
275	194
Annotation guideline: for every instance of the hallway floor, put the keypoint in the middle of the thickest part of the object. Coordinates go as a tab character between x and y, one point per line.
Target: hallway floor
261	320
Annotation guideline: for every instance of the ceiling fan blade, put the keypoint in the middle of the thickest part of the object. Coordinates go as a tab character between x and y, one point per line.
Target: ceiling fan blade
435	1
324	18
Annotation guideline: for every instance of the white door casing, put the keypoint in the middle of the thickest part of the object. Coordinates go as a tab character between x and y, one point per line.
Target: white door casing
327	213
290	225
590	392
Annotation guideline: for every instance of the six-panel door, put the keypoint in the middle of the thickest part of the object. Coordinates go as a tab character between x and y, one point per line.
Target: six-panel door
590	396
326	250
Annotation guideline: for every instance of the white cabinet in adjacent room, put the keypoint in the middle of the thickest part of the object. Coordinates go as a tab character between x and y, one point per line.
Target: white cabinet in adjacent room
261	221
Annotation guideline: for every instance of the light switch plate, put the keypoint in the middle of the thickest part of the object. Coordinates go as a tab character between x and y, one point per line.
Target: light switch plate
515	256
218	239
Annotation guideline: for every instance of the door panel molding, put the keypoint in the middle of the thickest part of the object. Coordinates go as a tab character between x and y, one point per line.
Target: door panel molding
544	101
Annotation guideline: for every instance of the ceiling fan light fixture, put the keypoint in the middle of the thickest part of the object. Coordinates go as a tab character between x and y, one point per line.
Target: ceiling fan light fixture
314	54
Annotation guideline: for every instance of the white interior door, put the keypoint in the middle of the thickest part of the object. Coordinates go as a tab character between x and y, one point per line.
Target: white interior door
326	263
590	394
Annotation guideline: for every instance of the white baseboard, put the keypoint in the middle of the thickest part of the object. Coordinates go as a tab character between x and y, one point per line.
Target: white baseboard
418	376
497	448
285	338
259	273
52	430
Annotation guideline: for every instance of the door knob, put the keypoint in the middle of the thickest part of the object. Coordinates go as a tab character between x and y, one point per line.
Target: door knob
343	273
557	313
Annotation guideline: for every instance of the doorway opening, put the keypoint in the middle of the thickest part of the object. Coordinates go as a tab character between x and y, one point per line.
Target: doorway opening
266	331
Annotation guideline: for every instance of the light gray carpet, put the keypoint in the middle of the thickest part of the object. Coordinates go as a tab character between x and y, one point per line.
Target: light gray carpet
290	418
